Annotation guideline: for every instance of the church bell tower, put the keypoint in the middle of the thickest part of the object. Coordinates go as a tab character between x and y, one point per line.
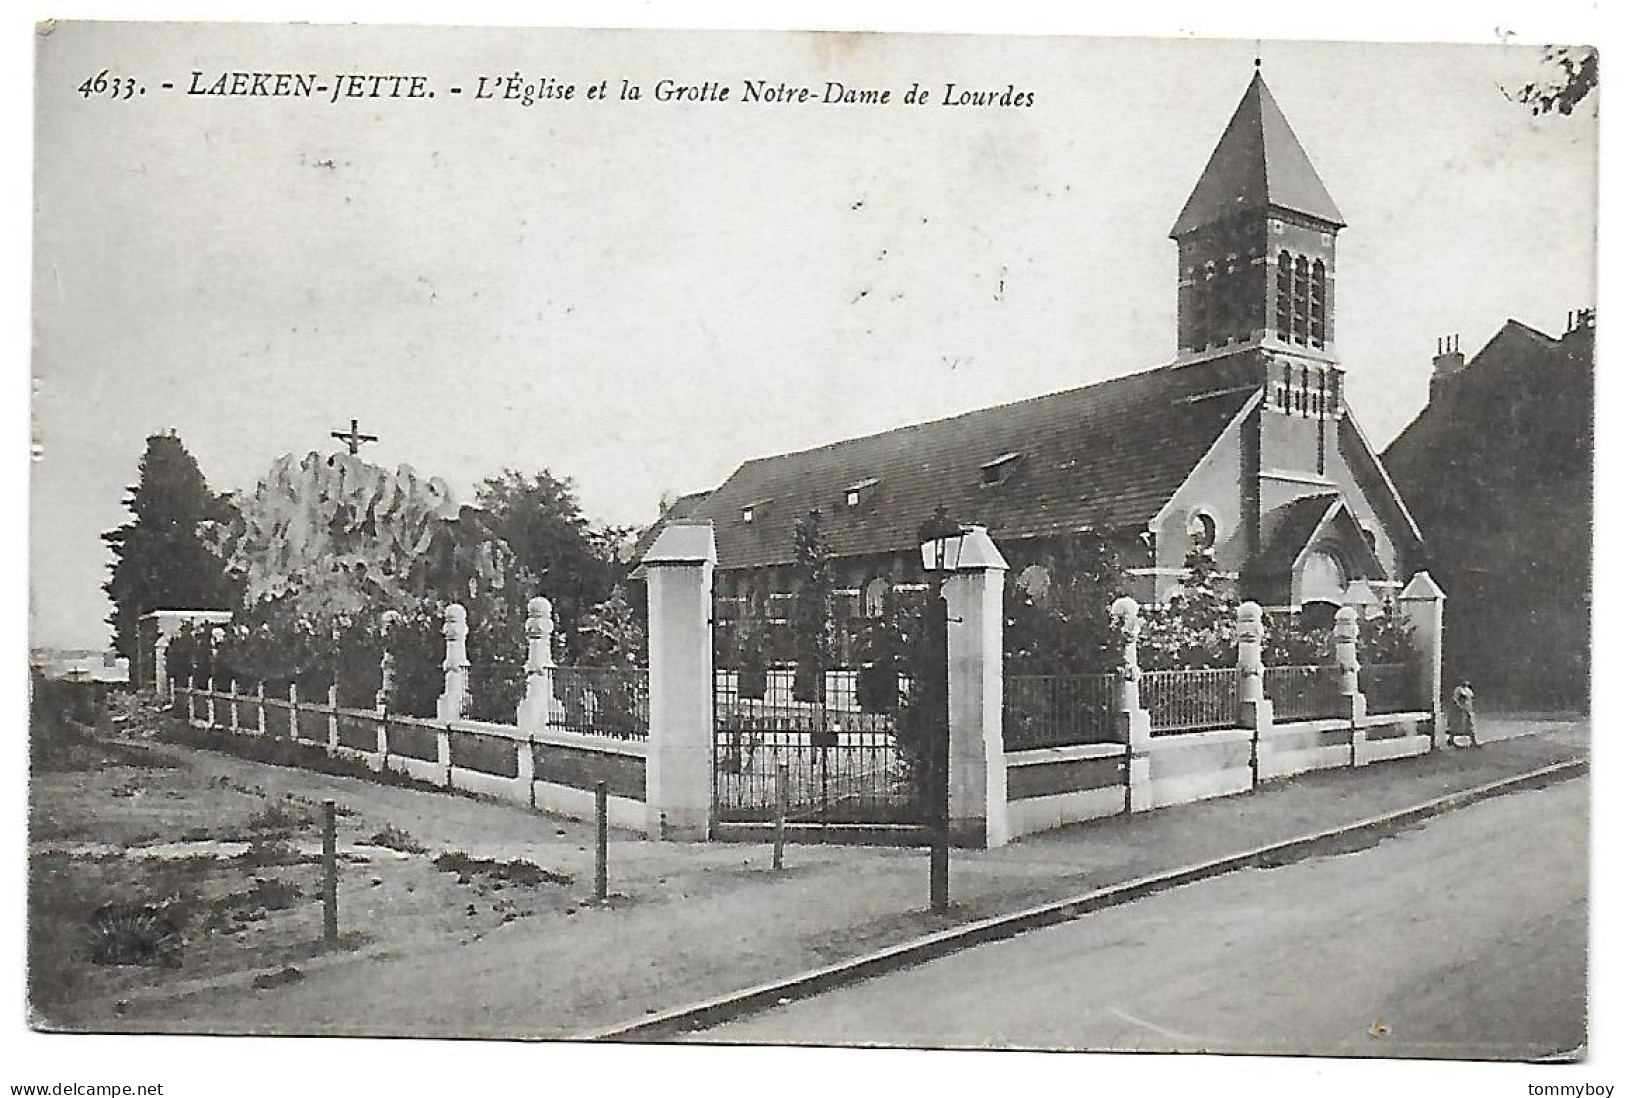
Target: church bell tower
1258	245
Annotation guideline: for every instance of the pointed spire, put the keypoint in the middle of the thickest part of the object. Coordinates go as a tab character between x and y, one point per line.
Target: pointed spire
1257	164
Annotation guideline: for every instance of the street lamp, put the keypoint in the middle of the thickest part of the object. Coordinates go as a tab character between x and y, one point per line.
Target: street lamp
941	540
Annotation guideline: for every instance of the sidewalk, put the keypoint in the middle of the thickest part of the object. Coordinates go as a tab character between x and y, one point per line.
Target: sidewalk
699	920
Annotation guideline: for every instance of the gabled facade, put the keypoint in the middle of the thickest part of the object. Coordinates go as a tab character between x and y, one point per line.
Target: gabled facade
1244	443
1499	469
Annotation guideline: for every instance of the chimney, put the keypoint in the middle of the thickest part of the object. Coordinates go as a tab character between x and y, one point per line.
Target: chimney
1448	361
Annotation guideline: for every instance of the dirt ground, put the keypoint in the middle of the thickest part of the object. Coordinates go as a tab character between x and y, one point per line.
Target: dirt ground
467	917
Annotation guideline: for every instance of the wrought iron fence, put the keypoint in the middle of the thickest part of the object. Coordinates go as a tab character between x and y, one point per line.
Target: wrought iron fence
1191	701
1303	693
494	691
1391	687
601	701
843	763
1057	710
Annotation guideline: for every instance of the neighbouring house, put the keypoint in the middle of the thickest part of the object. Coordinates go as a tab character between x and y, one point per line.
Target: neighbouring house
1498	471
1244	444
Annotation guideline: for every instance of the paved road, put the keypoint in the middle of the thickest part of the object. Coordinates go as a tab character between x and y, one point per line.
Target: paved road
1465	937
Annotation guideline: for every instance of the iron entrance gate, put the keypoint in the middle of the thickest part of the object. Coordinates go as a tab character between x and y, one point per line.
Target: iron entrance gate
843	764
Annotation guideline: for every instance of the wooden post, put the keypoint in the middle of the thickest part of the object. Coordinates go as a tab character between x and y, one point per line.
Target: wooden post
600	888
782	795
330	874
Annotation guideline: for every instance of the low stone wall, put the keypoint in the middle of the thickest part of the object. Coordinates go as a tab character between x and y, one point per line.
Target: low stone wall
1054	786
554	770
1050	787
1196	766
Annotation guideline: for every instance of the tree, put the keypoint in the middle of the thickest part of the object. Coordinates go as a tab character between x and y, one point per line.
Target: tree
810	624
161	559
1062	624
1570	76
561	554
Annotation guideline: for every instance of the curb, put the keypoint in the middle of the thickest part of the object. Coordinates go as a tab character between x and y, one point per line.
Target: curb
723	1008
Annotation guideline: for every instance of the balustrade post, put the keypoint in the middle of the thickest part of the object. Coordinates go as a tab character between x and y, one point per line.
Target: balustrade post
259	699
1257	711
453	701
234	718
1133	722
536	706
1346	643
209	699
386	661
333	718
160	665
1346	639
191	697
293	710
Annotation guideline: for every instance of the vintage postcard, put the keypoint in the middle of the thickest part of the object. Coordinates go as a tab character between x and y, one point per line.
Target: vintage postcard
812	538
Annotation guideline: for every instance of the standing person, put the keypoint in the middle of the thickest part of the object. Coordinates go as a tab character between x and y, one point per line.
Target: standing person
1462	723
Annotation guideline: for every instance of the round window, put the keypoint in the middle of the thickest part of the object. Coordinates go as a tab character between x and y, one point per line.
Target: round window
1204	532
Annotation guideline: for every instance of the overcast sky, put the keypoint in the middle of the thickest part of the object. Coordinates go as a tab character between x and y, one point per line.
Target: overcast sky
641	295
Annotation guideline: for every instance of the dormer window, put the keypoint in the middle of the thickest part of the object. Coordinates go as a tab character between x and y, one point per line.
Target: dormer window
1000	468
855	493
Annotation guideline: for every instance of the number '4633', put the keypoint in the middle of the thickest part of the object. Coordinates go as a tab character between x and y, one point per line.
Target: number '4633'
113	87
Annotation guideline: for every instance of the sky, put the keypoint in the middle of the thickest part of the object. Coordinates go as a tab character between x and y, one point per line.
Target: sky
641	296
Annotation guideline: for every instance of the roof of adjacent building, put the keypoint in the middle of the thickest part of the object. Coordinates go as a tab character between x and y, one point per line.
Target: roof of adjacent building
1257	164
679	509
1105	456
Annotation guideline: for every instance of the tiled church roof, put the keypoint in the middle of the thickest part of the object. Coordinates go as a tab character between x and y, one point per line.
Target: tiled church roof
1258	163
1107	455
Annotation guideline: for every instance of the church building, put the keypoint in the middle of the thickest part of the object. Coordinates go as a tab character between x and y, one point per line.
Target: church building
1244	444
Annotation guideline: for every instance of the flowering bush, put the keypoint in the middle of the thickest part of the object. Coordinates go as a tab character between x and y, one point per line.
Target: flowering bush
1197	626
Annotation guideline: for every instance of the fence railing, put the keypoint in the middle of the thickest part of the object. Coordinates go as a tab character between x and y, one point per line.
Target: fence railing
1191	701
494	691
601	701
1391	688
775	701
1058	710
1303	693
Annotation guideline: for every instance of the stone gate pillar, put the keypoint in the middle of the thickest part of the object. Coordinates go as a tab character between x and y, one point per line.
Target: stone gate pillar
977	801
678	777
1422	603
